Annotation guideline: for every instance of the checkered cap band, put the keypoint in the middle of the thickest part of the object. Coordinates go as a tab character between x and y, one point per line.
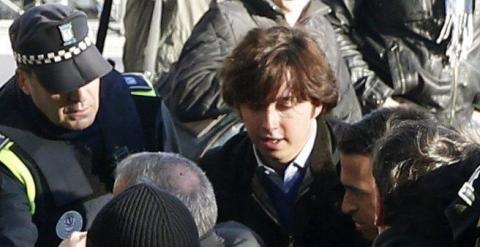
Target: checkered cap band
54	57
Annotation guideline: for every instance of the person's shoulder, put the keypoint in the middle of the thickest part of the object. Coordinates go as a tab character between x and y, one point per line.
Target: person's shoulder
135	83
237	234
7	91
229	152
229	5
10	107
138	84
228	10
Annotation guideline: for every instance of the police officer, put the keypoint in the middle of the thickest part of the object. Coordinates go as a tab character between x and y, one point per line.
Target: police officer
66	119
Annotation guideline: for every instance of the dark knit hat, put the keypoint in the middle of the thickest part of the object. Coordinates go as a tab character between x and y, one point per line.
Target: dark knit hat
53	41
143	216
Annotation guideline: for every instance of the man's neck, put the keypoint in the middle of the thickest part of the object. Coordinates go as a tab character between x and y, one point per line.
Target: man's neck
304	152
295	9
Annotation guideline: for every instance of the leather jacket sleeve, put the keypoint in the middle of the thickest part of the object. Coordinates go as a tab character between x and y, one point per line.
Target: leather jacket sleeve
195	86
167	131
370	89
16	226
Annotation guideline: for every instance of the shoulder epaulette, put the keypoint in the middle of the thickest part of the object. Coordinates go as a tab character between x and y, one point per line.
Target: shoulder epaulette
139	85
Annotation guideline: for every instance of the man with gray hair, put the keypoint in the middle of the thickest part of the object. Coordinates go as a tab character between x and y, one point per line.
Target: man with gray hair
185	180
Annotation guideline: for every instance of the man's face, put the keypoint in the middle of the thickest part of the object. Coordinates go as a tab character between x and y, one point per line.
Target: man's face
74	110
280	129
360	195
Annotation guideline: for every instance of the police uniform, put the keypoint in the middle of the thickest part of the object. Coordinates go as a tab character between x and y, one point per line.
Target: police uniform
54	180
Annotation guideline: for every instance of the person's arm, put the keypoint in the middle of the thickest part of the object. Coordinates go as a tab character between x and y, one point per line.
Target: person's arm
170	142
195	93
16	226
371	90
348	108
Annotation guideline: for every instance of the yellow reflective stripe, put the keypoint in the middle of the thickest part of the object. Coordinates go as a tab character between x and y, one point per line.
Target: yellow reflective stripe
149	93
20	171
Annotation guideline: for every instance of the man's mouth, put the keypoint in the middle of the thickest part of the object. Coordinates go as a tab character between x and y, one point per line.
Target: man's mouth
77	109
271	142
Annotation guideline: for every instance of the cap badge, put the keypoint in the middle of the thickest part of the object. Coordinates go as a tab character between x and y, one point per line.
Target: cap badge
66	31
69	222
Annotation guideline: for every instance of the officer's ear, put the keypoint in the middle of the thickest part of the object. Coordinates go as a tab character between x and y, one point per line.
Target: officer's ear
23	80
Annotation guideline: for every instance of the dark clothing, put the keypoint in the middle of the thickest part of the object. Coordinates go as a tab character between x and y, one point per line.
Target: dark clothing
391	50
393	238
211	239
317	219
72	169
193	87
238	235
230	234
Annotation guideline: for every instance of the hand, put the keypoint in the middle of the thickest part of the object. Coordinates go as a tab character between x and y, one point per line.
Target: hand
76	239
389	102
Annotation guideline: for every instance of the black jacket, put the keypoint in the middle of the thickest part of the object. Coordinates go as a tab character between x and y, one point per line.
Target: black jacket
392	237
391	50
318	220
71	169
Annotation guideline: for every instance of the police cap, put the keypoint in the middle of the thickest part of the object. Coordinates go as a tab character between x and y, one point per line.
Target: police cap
53	40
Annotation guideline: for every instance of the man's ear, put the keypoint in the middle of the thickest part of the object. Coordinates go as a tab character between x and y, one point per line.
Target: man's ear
317	110
379	221
236	109
23	81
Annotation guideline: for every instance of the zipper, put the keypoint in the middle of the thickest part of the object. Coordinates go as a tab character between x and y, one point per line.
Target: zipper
291	241
454	94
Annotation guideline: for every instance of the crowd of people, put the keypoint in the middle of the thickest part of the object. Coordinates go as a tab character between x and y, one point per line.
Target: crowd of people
272	123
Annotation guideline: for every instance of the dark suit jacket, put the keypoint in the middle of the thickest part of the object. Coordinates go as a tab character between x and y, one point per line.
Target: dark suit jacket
318	220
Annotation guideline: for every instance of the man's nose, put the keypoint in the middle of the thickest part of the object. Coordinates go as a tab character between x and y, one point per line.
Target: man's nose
348	207
77	95
271	118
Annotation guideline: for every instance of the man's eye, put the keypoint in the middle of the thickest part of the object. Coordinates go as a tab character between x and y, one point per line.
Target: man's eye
285	104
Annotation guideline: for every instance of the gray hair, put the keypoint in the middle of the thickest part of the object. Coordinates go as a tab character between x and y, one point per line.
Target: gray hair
178	176
470	131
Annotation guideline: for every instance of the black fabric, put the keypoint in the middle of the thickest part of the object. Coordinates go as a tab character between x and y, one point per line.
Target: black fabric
400	57
317	219
393	238
143	216
71	74
462	217
49	154
37	32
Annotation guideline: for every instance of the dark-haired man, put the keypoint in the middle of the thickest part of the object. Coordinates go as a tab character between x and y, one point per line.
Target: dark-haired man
356	148
194	98
280	177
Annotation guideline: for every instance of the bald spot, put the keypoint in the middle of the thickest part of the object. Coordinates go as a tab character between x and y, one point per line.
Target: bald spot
183	179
